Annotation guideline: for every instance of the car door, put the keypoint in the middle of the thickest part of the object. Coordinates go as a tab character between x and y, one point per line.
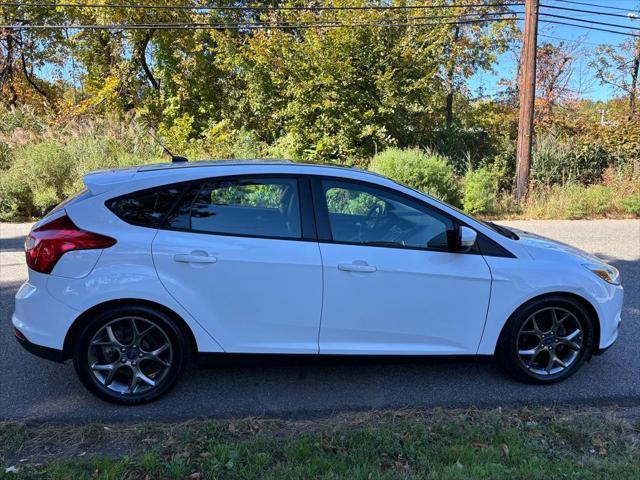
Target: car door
392	284
240	256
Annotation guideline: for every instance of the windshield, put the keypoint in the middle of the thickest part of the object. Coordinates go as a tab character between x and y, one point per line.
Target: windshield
502	230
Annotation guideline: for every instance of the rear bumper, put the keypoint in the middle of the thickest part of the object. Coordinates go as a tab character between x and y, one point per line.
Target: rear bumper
44	352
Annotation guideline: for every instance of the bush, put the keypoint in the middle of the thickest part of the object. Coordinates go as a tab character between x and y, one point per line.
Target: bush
44	174
424	171
631	204
479	191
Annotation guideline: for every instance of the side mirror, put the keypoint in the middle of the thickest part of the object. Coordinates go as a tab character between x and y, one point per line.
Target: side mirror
466	239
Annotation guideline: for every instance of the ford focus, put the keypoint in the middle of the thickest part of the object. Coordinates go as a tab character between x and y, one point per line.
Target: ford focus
152	267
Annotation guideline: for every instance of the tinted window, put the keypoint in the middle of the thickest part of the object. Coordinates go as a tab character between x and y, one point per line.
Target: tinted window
367	215
265	207
147	208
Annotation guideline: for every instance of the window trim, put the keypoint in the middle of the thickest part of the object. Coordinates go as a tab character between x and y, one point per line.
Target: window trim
305	205
324	225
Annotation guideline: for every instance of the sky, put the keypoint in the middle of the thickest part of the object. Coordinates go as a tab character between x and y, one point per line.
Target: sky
486	83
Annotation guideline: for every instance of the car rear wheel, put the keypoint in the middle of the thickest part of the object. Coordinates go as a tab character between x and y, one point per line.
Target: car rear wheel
130	355
546	341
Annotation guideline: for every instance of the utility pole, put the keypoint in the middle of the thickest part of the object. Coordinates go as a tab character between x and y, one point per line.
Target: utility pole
527	97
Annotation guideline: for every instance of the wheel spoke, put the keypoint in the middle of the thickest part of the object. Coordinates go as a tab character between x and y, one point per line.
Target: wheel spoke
568	340
536	327
145	379
110	368
552	360
530	352
112	337
155	355
137	334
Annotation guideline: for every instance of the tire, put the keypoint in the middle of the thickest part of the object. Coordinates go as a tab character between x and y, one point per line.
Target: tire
528	342
131	354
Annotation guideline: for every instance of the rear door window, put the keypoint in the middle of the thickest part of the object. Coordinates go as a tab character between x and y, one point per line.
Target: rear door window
261	207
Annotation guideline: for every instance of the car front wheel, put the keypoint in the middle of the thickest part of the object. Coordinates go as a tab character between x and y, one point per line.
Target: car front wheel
546	341
130	355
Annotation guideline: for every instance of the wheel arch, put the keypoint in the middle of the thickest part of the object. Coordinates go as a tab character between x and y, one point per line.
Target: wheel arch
74	330
593	313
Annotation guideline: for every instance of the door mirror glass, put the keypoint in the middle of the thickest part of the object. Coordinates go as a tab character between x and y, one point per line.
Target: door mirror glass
466	239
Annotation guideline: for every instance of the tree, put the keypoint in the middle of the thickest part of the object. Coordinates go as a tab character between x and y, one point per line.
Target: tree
619	67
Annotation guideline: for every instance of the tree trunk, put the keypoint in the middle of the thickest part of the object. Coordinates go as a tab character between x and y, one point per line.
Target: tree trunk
6	76
142	56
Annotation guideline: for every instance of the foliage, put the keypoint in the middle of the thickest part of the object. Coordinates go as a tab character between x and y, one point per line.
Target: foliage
574	201
480	191
422	170
504	443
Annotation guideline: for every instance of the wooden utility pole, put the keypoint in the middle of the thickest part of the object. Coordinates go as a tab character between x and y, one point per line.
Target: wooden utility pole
527	97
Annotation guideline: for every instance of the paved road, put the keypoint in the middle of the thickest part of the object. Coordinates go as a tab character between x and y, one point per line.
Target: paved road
31	388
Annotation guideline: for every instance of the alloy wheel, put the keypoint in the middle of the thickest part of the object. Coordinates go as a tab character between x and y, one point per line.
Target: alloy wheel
550	341
130	355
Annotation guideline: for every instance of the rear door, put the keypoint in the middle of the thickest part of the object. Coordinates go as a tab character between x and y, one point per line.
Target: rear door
392	284
240	255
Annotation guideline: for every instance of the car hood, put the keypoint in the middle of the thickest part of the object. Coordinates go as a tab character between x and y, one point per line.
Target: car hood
546	249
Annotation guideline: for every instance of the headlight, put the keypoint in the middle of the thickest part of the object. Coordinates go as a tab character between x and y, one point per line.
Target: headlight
606	272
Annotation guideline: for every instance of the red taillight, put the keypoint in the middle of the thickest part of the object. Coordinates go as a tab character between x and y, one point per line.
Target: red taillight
46	244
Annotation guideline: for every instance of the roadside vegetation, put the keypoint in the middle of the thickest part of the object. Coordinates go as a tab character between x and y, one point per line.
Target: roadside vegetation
396	100
531	443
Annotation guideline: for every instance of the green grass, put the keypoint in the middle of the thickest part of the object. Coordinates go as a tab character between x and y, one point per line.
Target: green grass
523	443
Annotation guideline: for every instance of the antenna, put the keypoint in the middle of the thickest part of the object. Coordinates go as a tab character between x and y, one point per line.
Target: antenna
174	158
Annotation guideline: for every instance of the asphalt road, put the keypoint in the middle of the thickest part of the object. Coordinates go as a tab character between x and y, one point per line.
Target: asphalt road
39	390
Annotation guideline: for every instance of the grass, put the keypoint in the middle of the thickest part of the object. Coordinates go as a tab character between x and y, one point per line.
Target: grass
531	443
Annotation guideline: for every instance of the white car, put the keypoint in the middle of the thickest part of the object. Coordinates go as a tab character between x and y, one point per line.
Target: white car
152	266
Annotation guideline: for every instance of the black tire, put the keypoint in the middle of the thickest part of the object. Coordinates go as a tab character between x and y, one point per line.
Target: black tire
508	347
167	330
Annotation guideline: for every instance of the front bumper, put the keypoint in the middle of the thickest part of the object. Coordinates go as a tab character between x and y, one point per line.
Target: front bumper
610	316
52	354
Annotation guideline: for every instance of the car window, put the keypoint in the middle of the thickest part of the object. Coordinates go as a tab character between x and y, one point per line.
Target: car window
266	207
371	216
147	208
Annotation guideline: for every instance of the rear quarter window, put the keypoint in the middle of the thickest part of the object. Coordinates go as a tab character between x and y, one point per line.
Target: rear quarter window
147	208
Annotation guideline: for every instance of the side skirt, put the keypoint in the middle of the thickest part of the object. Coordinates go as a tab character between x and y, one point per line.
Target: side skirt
277	359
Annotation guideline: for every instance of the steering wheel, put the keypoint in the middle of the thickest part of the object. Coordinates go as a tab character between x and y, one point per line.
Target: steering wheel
376	212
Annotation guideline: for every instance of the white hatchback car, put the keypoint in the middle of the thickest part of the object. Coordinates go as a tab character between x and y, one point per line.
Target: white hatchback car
149	267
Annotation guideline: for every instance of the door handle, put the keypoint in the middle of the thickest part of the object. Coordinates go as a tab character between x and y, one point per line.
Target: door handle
354	267
193	258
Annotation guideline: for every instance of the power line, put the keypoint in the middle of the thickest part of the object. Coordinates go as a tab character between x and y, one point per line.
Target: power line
253	8
593	22
242	26
628	34
579	42
595	12
596	5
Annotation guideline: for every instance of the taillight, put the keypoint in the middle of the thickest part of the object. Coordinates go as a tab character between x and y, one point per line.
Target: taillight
46	244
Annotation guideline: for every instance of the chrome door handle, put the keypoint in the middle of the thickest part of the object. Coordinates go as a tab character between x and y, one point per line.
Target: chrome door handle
191	258
354	267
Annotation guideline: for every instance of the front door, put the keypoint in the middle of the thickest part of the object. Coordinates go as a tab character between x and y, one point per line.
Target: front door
392	285
234	255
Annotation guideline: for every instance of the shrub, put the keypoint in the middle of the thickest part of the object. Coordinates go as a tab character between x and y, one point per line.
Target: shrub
45	173
479	191
424	171
631	204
